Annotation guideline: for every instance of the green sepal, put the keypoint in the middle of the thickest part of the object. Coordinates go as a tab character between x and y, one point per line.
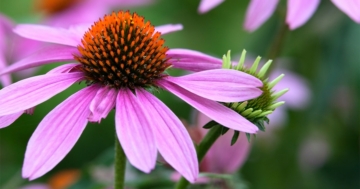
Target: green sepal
224	130
210	124
235	137
248	136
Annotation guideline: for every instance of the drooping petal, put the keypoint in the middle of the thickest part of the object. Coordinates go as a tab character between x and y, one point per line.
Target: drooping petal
30	92
300	11
168	28
48	34
224	85
349	7
172	139
102	104
47	55
134	131
7	120
66	68
216	111
57	133
207	5
258	12
192	60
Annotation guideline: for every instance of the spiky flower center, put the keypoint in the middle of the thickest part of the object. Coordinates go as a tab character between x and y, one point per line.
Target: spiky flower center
121	50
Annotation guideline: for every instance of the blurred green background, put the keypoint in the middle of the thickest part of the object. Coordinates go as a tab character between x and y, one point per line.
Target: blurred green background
325	51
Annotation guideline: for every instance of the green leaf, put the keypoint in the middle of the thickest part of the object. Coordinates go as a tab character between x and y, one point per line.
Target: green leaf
210	124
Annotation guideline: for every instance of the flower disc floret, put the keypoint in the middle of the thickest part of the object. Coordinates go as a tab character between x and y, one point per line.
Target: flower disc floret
123	51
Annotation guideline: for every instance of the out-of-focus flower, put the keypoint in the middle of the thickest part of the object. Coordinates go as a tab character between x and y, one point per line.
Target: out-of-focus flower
13	48
349	7
222	157
120	57
62	179
313	152
65	13
298	11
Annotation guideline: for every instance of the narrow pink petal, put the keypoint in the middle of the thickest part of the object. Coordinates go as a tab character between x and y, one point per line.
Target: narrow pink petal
102	104
216	111
168	28
57	133
172	139
30	92
349	7
258	12
300	11
222	85
7	120
192	60
65	68
47	55
207	5
48	34
134	131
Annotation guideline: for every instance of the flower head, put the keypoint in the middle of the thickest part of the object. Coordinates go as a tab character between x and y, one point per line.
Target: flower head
120	57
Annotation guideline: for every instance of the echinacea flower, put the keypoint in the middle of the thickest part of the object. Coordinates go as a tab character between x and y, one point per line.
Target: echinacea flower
120	57
13	48
64	13
298	11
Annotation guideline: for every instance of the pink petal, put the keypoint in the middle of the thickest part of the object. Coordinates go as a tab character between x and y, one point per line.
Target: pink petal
222	85
258	12
349	7
207	5
44	56
134	131
216	111
224	158
65	68
48	34
300	11
57	134
172	139
192	60
168	28
30	92
102	104
7	120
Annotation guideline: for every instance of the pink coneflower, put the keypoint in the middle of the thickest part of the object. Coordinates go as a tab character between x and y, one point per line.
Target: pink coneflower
13	48
120	57
298	11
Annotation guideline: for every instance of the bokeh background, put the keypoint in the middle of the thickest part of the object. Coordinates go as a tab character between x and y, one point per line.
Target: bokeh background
315	146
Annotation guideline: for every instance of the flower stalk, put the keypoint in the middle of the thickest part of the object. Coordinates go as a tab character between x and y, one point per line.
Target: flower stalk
120	165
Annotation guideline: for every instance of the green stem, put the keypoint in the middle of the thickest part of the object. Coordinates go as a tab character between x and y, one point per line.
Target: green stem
277	44
201	150
120	165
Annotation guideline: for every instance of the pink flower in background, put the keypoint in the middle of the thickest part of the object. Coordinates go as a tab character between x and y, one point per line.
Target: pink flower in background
298	11
65	13
349	7
221	158
207	5
13	48
120	57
